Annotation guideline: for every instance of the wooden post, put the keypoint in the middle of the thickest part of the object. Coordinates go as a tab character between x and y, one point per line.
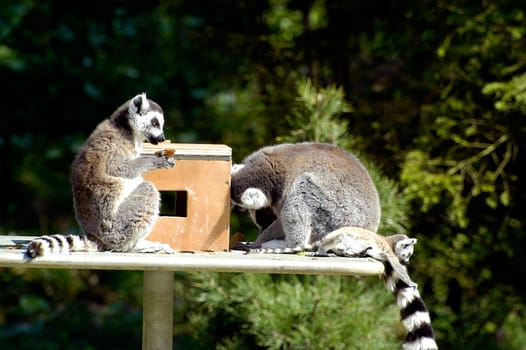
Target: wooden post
158	301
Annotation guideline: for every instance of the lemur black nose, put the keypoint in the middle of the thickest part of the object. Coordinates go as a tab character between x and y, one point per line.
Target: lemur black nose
156	139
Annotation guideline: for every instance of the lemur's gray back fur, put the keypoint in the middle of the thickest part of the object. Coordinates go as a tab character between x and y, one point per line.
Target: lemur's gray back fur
113	205
311	188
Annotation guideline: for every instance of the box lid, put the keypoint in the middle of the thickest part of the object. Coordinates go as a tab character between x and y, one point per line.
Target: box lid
191	150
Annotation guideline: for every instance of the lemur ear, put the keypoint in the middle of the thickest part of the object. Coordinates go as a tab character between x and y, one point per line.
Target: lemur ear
139	103
406	242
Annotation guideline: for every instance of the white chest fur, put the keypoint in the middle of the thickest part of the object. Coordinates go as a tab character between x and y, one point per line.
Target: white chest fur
128	186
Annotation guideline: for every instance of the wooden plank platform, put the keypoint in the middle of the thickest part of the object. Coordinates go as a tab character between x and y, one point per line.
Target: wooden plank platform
12	248
158	276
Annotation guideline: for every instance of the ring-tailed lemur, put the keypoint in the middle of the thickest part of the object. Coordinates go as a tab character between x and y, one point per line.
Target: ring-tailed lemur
347	241
355	242
113	205
359	242
394	251
312	189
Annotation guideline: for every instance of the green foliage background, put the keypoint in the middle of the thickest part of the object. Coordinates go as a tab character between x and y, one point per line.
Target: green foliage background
430	95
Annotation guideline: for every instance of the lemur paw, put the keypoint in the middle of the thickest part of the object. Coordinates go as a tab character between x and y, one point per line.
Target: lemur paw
167	158
254	198
146	246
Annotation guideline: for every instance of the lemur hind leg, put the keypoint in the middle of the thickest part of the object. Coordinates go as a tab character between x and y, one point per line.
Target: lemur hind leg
134	221
301	212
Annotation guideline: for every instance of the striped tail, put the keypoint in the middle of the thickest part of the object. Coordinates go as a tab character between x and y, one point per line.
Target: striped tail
413	313
59	243
286	250
278	246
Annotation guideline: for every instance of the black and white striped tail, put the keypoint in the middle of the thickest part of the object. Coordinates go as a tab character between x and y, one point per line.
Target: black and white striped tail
413	313
275	246
59	243
286	250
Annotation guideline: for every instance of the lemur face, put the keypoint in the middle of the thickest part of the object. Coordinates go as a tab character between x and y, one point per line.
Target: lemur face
147	119
404	249
151	126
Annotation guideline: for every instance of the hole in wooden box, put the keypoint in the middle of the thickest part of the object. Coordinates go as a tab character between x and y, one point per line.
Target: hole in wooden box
174	203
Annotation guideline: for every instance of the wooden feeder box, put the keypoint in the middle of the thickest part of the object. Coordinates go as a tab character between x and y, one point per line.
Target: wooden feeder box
195	197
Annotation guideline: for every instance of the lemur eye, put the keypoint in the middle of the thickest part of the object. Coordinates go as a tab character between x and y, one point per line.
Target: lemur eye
155	123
